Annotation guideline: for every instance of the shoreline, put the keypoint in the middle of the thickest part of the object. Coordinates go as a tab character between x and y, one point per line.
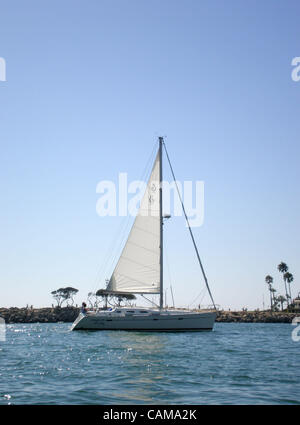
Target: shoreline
69	314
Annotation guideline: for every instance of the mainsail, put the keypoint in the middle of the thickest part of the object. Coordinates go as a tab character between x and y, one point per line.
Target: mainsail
138	268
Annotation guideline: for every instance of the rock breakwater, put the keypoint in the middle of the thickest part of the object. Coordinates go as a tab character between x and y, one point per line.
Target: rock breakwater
69	314
39	315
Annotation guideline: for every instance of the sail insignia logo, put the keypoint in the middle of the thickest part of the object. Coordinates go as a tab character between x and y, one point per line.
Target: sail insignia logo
2	69
296	70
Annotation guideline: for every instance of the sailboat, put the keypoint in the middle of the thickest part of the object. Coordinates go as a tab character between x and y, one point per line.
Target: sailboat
139	270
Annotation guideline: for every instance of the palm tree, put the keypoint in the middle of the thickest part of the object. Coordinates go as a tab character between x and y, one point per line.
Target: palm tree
275	302
281	299
283	268
289	278
269	280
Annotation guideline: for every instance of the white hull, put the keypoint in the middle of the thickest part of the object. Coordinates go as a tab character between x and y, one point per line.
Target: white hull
145	320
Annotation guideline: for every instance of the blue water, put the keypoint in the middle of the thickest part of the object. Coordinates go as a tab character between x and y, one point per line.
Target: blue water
237	363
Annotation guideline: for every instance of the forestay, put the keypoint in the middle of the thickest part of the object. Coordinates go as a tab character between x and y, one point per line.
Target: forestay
138	268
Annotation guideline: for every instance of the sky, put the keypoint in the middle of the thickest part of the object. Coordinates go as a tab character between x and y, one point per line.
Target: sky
91	85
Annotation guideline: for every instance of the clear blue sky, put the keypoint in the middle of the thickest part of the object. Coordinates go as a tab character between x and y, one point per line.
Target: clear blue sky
92	84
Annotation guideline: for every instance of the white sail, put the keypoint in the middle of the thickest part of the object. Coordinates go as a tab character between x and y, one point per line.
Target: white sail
138	269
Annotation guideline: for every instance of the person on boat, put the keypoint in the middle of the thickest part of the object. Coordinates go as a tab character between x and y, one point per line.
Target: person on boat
83	308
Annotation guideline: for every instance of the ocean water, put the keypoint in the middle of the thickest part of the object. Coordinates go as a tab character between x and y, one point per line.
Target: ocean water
237	363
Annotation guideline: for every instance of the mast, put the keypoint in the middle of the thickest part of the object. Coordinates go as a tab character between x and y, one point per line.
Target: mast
161	303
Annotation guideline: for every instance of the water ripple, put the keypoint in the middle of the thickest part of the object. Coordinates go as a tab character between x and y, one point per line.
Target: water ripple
236	364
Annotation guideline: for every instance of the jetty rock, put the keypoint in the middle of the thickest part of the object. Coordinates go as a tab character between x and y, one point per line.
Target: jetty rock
255	316
39	315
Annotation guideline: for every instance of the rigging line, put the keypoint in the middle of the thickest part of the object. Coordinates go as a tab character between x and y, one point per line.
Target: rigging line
201	299
113	250
195	299
152	302
108	254
145	173
191	233
116	244
123	225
